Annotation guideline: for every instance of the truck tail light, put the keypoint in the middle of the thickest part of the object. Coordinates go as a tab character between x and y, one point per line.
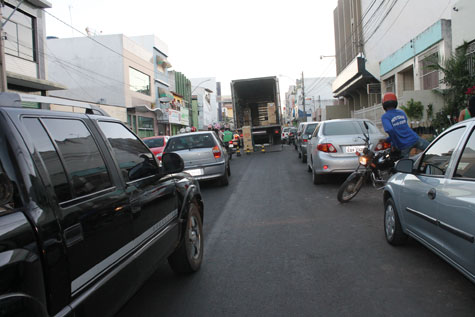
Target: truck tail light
326	147
216	152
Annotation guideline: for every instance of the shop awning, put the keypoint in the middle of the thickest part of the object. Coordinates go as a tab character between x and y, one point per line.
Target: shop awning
354	76
32	83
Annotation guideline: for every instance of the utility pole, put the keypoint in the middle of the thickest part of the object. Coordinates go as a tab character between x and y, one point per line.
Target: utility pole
303	98
3	72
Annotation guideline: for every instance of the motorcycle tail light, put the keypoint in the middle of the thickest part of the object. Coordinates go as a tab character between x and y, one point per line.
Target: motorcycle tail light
327	148
304	140
216	152
382	145
231	142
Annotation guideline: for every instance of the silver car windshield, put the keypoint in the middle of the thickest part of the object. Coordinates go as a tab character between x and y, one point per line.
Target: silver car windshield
196	141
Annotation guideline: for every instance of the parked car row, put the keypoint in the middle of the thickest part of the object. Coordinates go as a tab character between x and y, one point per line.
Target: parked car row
430	198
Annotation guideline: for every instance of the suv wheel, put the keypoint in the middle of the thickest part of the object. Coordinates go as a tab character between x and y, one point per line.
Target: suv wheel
188	256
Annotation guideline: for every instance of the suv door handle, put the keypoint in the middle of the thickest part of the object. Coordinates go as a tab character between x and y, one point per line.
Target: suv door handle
431	193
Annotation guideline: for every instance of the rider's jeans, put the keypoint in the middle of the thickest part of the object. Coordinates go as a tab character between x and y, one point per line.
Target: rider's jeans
420	144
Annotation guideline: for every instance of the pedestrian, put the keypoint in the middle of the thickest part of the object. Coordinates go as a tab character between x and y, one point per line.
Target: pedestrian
401	136
468	112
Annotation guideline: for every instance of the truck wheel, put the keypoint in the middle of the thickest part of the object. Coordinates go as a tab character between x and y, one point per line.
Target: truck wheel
187	258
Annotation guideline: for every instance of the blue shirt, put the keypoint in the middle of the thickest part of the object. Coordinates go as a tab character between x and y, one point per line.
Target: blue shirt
400	134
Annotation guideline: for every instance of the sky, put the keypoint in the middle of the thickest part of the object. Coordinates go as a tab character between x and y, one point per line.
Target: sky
217	38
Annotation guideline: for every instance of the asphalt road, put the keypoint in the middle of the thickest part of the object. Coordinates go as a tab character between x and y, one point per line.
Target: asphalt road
277	245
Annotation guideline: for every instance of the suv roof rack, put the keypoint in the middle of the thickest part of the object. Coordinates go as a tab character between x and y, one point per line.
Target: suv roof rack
9	99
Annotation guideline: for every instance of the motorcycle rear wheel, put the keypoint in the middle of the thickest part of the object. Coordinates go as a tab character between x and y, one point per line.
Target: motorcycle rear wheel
350	188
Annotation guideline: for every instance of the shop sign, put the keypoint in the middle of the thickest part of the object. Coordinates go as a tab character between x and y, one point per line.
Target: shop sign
184	118
173	116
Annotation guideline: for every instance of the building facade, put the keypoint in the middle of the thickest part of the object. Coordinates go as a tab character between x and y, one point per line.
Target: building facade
206	90
391	45
112	70
25	53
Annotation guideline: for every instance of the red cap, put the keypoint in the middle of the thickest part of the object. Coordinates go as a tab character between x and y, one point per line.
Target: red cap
389	96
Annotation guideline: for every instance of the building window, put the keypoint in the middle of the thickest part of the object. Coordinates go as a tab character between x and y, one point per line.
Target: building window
389	84
19	34
131	122
139	81
471	58
145	126
429	75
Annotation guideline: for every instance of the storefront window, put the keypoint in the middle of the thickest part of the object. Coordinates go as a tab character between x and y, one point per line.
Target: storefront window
131	122
19	31
139	81
145	126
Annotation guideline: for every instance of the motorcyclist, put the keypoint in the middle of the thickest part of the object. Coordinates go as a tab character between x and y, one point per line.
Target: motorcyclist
227	137
401	136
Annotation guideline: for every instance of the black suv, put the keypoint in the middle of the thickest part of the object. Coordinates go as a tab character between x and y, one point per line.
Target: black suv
86	213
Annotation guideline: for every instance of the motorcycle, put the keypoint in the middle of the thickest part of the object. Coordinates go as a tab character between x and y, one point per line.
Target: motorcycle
374	165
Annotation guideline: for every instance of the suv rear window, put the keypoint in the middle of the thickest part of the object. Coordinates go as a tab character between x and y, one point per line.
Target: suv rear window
186	142
341	128
157	142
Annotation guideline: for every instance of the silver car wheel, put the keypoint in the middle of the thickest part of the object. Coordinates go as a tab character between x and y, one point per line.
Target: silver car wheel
194	239
390	221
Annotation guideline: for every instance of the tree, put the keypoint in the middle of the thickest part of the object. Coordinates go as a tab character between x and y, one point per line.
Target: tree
458	79
413	109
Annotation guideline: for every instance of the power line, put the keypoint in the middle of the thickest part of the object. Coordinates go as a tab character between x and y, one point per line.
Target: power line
320	79
78	69
94	40
394	21
353	32
383	19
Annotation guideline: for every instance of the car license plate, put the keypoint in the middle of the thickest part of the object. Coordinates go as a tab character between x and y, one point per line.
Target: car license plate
195	172
354	149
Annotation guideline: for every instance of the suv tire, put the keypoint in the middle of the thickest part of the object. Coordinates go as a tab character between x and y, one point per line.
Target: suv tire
188	257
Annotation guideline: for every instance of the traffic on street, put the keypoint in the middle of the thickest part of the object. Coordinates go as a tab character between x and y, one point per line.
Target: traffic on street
277	245
250	158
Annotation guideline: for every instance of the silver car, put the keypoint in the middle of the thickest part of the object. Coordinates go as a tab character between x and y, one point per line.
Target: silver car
303	136
334	143
433	198
204	155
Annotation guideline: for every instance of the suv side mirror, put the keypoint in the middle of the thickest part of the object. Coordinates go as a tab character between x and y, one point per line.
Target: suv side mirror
172	163
405	166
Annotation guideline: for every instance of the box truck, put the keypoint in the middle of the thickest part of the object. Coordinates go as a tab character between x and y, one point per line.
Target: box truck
256	109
